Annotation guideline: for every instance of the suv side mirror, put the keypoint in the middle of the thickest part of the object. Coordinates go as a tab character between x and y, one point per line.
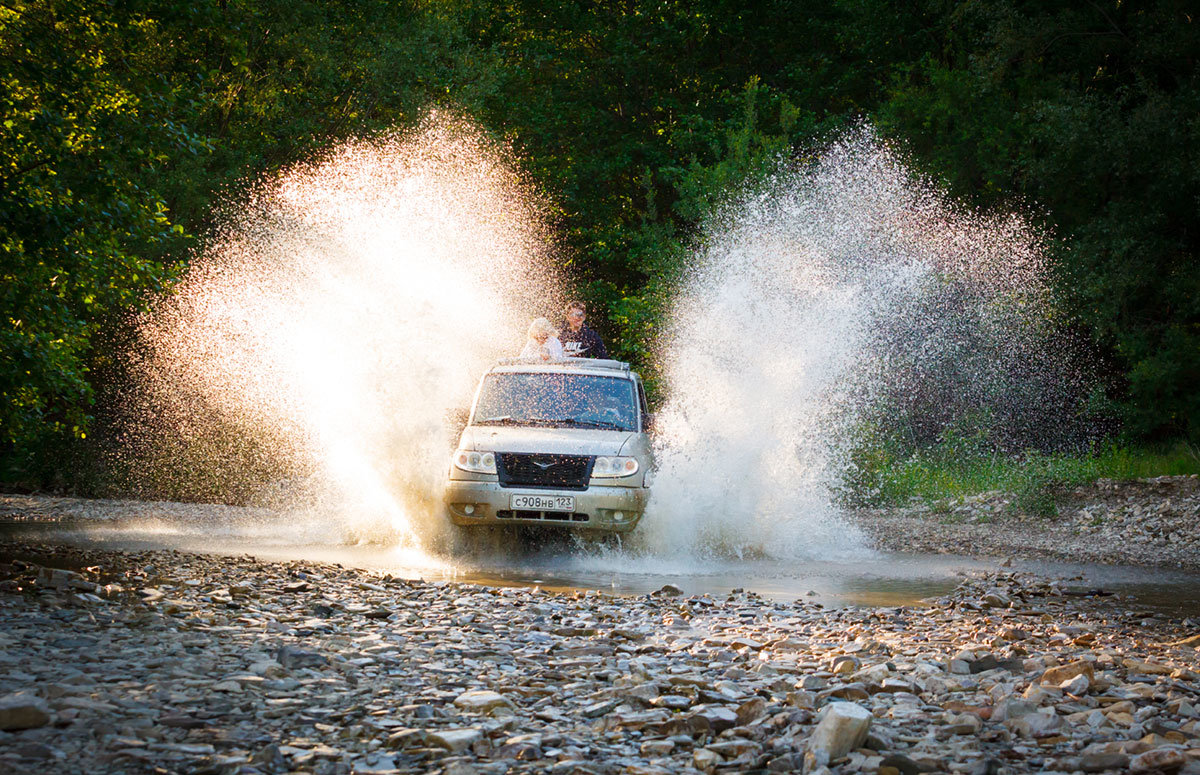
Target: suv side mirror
648	422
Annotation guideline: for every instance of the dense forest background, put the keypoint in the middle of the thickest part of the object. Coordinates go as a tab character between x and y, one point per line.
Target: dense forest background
124	122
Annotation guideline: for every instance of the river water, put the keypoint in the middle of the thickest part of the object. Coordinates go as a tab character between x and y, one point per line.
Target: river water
881	579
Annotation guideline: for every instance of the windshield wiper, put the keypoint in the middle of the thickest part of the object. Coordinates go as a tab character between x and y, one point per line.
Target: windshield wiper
551	422
576	423
505	420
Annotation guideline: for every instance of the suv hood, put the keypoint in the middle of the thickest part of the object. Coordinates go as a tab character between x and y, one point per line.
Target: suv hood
554	441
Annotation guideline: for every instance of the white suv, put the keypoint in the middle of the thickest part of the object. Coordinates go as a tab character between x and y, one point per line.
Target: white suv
554	443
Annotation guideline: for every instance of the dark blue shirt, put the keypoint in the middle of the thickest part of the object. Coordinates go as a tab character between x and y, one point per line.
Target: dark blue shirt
584	343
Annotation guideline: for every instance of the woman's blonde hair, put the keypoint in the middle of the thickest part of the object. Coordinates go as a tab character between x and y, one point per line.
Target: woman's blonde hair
542	326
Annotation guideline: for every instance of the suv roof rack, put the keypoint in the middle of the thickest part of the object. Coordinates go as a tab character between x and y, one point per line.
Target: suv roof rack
594	363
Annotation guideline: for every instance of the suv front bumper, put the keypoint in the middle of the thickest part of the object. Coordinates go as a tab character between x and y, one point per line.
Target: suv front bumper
603	508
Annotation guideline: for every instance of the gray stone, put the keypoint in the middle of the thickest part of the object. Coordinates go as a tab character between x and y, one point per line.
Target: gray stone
23	711
1077	686
1036	724
705	760
751	711
597	709
455	740
1158	760
899	761
481	701
1101	761
842	727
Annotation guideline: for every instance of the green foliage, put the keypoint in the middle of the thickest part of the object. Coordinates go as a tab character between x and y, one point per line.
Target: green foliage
881	477
1087	110
125	124
83	240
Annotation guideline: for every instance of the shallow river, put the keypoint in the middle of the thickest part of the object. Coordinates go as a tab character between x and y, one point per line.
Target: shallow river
877	580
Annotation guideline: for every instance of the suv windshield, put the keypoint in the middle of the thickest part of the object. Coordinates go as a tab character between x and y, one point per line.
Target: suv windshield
557	401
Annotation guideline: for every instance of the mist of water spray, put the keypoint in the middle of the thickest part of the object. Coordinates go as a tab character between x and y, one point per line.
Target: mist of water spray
349	303
815	293
336	317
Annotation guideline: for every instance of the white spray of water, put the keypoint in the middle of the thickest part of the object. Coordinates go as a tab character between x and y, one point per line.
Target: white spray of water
787	327
352	301
338	317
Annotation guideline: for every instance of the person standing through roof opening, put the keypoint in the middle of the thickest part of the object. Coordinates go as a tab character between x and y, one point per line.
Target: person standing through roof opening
578	340
543	342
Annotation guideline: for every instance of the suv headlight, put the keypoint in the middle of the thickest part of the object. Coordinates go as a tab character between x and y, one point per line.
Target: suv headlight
475	462
609	467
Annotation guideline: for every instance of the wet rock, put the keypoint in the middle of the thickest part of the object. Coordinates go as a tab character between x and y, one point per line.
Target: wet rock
56	578
669	590
23	711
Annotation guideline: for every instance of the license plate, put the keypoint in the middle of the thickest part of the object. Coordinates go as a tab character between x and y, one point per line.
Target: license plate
543	502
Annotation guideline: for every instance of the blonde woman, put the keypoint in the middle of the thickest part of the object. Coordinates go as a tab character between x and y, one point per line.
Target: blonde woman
543	342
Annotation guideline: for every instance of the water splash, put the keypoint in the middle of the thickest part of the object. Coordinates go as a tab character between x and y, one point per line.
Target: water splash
349	303
816	293
336	317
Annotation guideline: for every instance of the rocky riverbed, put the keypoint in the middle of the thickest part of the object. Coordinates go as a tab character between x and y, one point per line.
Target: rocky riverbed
173	662
1150	522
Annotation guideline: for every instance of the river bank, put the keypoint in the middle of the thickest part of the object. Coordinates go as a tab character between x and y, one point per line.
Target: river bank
192	663
1146	522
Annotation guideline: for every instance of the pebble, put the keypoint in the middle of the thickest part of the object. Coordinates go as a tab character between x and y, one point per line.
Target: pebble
23	711
226	671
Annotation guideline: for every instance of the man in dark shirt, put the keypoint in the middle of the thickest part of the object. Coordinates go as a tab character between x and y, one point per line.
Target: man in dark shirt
578	340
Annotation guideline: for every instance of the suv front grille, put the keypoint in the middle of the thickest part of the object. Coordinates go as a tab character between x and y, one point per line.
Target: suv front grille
560	472
555	516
